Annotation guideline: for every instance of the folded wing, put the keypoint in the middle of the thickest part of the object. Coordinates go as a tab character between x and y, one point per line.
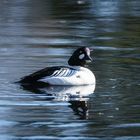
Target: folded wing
58	71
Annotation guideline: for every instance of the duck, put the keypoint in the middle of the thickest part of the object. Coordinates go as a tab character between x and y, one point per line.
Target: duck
75	73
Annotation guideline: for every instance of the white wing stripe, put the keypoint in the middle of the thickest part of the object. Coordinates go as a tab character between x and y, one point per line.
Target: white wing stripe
63	73
72	72
55	73
58	73
68	72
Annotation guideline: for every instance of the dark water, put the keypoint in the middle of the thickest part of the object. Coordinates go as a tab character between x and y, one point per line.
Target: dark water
35	34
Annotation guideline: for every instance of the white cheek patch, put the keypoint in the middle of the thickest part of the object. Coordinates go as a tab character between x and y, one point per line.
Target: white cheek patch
81	56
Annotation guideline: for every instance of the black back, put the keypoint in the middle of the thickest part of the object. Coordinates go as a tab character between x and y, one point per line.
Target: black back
34	77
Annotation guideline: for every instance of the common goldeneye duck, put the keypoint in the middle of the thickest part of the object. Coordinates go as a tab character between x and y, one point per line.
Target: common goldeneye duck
74	74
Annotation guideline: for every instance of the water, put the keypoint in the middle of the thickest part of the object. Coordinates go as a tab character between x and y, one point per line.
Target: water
37	34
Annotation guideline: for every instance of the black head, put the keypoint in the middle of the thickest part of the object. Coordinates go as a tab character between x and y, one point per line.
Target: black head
80	57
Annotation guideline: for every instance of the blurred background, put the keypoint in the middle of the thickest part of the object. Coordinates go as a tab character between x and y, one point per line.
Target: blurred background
38	33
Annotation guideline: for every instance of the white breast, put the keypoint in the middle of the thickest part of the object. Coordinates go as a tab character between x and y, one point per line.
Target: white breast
79	76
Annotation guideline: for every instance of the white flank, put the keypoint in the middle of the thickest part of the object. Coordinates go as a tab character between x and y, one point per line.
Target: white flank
79	76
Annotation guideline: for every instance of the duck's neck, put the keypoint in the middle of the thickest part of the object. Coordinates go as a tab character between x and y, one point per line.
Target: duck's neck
73	62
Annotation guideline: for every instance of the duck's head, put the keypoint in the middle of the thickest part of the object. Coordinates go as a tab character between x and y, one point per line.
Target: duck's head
80	57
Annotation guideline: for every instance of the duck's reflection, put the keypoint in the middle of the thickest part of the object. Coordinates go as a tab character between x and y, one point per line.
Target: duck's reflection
77	96
80	108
